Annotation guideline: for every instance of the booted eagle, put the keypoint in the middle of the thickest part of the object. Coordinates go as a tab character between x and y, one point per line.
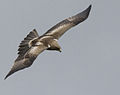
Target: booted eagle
34	44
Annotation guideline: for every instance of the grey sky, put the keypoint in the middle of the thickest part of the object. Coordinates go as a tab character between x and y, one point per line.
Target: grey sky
90	59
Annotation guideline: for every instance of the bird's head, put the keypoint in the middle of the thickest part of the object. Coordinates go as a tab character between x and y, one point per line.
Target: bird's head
58	48
55	46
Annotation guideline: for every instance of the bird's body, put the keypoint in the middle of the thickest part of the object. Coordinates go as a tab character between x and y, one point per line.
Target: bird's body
34	44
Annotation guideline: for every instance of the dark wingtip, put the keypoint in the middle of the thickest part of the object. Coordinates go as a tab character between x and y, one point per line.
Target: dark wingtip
84	14
89	8
87	11
81	16
8	75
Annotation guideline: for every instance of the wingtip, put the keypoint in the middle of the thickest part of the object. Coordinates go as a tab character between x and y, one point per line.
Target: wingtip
87	11
84	14
10	73
89	8
7	75
80	17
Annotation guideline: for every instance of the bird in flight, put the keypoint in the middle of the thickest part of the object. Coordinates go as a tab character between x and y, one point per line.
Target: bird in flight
33	44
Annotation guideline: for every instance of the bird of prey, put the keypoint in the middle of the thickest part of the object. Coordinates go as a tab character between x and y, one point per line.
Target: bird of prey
33	44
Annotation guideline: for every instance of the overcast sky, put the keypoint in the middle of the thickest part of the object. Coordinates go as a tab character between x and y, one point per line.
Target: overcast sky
90	60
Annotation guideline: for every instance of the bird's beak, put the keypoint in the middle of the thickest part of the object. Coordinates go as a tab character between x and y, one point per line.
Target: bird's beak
60	50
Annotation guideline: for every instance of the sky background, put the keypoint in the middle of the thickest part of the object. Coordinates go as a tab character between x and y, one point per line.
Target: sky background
90	60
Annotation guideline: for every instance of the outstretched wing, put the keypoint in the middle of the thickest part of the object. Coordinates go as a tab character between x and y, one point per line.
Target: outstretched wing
27	59
59	29
26	54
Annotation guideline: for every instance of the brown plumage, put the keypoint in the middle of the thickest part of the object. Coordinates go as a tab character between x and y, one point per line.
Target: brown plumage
33	45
